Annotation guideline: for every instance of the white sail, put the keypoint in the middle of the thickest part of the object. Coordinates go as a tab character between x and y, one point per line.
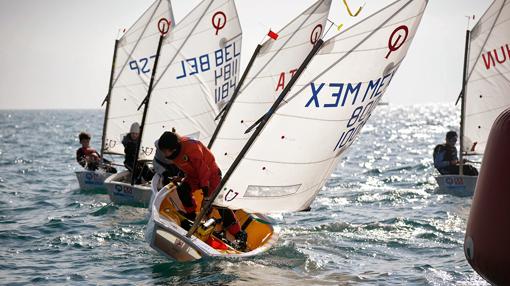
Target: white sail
196	75
488	86
272	69
301	144
135	58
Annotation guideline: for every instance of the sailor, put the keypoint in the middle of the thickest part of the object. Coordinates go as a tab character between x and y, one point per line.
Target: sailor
130	142
89	158
446	160
201	172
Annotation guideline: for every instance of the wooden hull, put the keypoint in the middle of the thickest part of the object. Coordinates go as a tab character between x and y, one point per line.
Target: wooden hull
91	180
165	235
457	184
122	193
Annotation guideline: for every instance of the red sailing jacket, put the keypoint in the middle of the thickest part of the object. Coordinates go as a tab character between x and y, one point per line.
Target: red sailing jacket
81	153
198	163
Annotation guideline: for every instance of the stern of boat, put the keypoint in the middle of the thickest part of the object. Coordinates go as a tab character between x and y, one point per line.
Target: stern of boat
457	184
90	180
121	191
165	234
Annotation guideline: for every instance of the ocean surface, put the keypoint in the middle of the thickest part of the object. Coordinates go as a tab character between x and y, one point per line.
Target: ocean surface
379	221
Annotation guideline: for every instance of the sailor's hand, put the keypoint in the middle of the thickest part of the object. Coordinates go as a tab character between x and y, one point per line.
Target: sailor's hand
454	162
167	177
184	187
205	202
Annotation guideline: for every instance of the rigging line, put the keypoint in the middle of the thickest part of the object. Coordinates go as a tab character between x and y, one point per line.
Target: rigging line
487	39
288	162
327	31
224	112
184	42
145	100
181	118
130	57
137	42
281	47
354	48
107	110
144	116
487	111
484	43
198	125
251	141
349	10
485	78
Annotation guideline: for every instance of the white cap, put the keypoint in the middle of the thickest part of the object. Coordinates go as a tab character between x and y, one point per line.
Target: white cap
135	128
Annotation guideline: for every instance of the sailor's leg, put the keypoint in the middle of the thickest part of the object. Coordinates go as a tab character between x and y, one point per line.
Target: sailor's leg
452	170
186	196
147	173
230	222
470	170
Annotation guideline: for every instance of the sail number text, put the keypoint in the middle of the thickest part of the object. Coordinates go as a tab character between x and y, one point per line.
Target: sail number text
362	96
224	62
141	65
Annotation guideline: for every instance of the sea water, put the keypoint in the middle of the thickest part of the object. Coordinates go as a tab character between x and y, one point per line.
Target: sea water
379	220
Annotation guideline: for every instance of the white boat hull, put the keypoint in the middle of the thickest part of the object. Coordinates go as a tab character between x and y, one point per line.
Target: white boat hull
169	239
457	184
121	191
91	180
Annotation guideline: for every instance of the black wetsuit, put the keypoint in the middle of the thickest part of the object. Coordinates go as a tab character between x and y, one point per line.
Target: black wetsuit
443	155
140	170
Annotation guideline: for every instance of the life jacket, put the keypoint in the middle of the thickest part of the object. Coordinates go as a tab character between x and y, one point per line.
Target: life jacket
197	162
130	147
449	152
87	151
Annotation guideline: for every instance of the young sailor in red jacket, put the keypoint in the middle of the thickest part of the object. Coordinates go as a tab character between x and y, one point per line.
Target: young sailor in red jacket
89	158
201	172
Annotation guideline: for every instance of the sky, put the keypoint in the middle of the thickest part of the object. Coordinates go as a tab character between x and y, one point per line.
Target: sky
56	54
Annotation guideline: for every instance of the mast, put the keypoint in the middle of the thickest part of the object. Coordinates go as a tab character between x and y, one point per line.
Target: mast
463	104
225	110
265	118
107	98
146	103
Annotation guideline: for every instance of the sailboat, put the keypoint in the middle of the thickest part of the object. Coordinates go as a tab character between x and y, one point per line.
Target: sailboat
133	62
295	144
267	61
91	180
195	70
485	89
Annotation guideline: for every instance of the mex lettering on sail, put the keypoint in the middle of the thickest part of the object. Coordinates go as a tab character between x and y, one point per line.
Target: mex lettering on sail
336	94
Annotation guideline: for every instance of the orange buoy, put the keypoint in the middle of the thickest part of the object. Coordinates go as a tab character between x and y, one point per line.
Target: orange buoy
487	241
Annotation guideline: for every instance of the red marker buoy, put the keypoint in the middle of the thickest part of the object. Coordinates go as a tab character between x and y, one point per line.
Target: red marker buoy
487	241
